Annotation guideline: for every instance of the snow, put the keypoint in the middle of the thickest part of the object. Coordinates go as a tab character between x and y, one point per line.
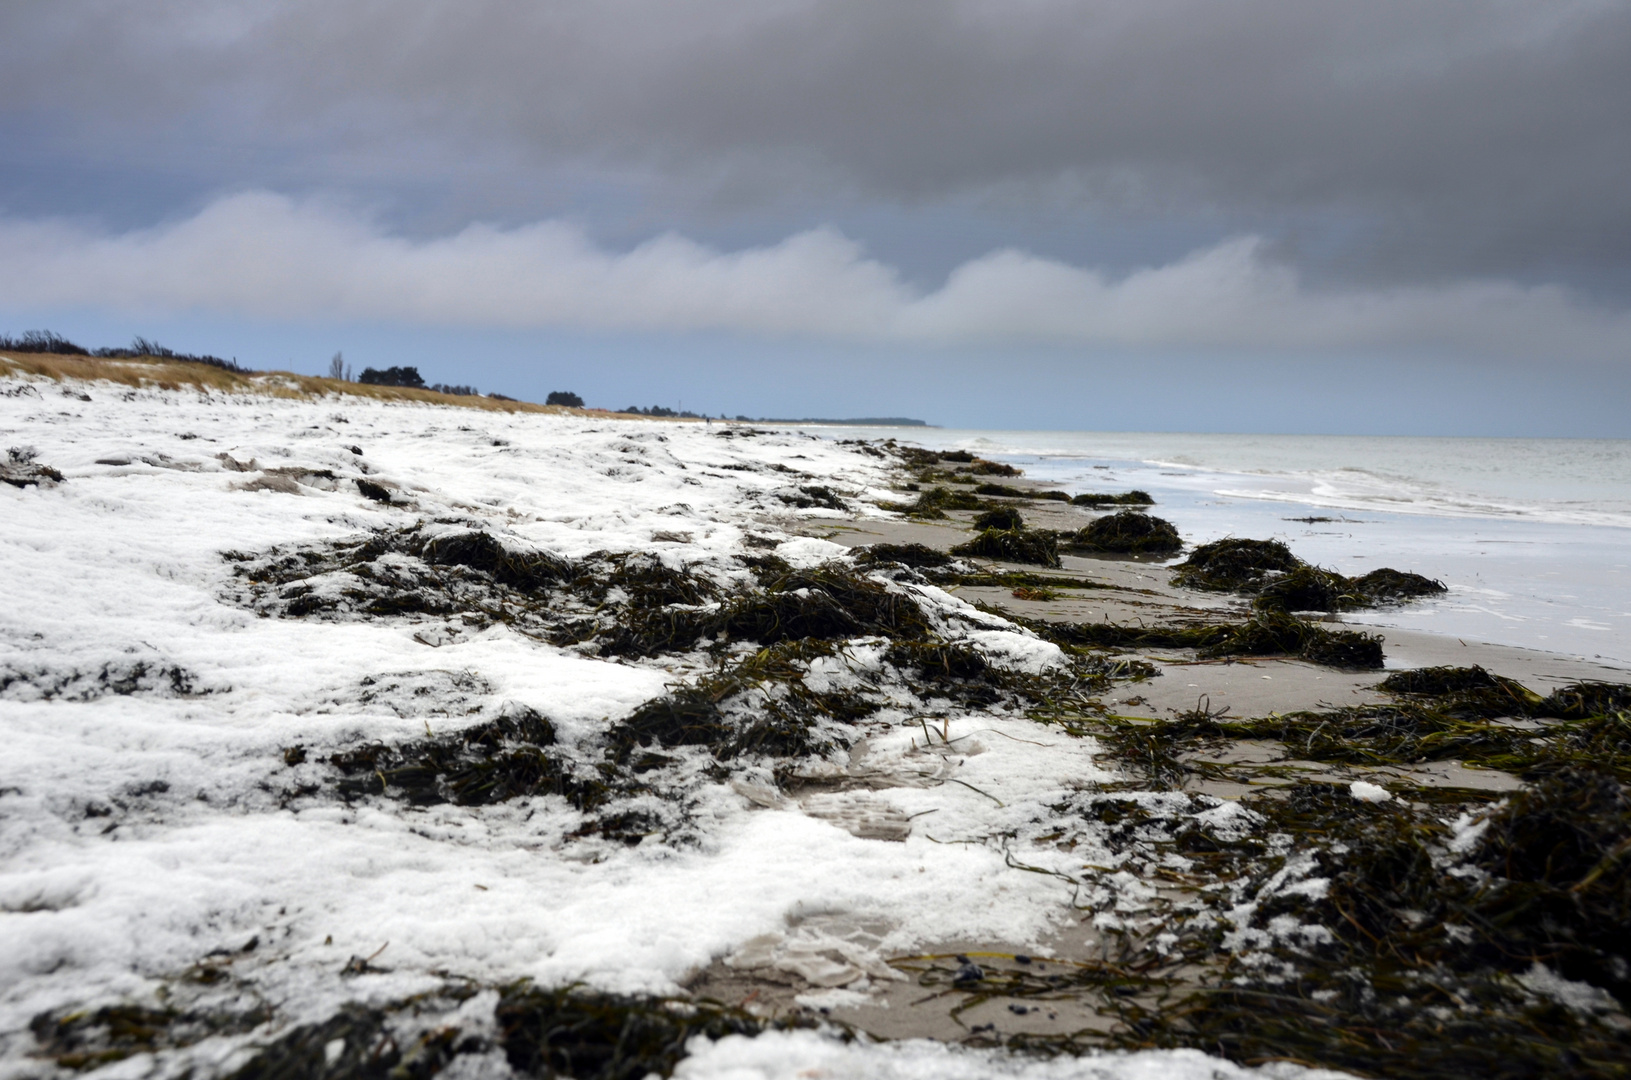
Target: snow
803	1054
141	827
1582	997
1365	791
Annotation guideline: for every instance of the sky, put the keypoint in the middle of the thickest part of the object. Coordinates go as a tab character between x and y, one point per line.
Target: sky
1205	215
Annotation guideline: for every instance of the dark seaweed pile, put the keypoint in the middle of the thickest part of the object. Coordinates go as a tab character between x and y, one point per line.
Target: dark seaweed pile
1280	581
1129	532
1032	546
1003	517
1126	498
591	1036
1007	492
1232	565
916	556
1003	536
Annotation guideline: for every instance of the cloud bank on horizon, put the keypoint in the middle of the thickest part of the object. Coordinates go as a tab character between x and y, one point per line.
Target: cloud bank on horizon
265	256
1171	174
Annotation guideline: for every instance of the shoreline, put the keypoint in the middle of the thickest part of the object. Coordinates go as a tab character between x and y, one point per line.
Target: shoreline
600	705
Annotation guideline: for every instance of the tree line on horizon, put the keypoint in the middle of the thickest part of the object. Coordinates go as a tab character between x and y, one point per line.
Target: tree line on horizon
408	376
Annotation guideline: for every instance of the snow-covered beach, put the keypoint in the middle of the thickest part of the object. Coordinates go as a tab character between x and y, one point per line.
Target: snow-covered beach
249	640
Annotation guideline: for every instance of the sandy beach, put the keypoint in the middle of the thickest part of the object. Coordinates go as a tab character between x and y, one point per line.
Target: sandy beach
349	734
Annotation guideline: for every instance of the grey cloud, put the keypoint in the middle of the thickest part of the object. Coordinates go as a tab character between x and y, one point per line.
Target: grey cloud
260	255
1391	138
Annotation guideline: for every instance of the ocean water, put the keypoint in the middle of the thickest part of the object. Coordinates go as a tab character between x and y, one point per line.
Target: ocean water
1532	536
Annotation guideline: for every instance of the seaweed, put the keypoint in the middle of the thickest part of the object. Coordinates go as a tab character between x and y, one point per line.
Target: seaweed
758	706
1007	492
1126	498
1270	633
813	495
587	1035
648	582
1309	588
1466	692
1370	937
616	605
1562	846
1391	586
934	503
918	556
1264	634
528	571
953	671
505	758
122	678
762	706
354	1044
828	602
964	462
20	469
1281	581
1418	978
782	726
1380	937
1013	545
1440	680
1234	565
1456	714
1004	517
89	1039
377	492
1586	700
690	716
1128	532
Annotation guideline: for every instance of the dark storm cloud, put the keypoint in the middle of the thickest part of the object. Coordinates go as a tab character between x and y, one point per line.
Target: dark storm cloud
1394	138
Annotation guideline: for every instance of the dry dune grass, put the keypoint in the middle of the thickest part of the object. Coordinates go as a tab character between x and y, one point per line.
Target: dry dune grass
178	374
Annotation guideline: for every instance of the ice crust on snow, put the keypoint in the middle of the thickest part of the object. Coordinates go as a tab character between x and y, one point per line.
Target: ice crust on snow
146	716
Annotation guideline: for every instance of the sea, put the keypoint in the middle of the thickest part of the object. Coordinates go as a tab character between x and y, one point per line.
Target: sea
1531	536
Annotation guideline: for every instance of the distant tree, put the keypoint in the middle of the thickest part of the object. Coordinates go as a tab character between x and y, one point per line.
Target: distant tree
41	341
392	376
336	367
47	342
564	397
